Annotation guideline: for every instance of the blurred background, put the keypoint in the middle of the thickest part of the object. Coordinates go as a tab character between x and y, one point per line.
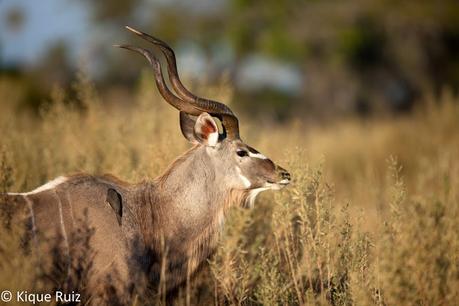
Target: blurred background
357	99
319	59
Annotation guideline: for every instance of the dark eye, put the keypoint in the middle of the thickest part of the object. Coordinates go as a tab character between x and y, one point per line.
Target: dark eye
242	153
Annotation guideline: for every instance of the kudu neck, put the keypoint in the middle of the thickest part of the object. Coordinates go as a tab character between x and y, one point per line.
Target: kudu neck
186	207
191	190
192	179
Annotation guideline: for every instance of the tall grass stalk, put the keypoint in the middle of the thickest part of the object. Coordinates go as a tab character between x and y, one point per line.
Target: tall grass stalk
371	218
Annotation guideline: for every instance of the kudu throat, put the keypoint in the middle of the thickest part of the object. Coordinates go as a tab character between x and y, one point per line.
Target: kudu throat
193	194
185	211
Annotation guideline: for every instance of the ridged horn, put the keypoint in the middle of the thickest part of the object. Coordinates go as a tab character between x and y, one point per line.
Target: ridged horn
217	109
160	83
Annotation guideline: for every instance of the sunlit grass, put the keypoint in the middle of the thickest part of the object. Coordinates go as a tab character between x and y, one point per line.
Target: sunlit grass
370	218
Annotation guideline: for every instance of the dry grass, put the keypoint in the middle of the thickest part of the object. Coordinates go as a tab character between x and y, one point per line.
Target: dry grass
371	217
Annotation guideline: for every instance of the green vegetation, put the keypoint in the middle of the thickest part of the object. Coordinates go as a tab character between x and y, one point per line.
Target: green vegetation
354	56
372	217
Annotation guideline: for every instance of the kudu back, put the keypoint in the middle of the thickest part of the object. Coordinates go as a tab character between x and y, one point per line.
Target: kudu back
160	230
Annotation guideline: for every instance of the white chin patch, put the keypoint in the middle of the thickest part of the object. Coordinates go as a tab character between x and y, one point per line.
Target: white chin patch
253	195
272	186
268	186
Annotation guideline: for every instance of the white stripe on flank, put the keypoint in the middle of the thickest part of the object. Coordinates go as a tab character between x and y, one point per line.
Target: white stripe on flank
64	233
257	155
50	185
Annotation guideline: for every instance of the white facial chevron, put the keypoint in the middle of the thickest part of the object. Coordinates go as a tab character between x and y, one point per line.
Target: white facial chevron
257	155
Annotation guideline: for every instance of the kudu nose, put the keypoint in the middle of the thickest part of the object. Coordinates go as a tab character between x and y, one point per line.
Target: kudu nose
284	176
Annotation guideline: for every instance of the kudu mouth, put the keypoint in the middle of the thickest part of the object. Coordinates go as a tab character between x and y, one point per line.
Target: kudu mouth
284	178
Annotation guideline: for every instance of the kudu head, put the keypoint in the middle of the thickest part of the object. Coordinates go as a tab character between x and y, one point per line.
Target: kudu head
242	167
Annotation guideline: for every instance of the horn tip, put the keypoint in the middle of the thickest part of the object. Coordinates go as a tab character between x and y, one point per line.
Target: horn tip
120	46
133	30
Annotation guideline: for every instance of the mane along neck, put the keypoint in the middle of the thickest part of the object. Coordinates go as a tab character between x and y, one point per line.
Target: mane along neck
187	201
193	202
185	212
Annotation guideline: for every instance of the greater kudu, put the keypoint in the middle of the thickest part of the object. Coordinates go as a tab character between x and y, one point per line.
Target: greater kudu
176	216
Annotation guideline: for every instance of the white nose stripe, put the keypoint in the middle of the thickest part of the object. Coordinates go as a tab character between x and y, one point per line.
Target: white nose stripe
257	155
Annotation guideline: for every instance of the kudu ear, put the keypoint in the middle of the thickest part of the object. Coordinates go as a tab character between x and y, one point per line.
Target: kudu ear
203	129
206	130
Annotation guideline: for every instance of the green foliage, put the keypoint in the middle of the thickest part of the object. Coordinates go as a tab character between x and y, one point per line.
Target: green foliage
362	45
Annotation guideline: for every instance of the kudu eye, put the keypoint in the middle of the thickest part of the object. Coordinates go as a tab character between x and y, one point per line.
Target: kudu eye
242	153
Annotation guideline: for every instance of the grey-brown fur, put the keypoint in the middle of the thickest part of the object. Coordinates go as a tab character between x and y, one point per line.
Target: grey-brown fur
158	231
176	217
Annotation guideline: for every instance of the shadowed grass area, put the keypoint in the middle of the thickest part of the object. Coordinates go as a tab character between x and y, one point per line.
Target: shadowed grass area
370	218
